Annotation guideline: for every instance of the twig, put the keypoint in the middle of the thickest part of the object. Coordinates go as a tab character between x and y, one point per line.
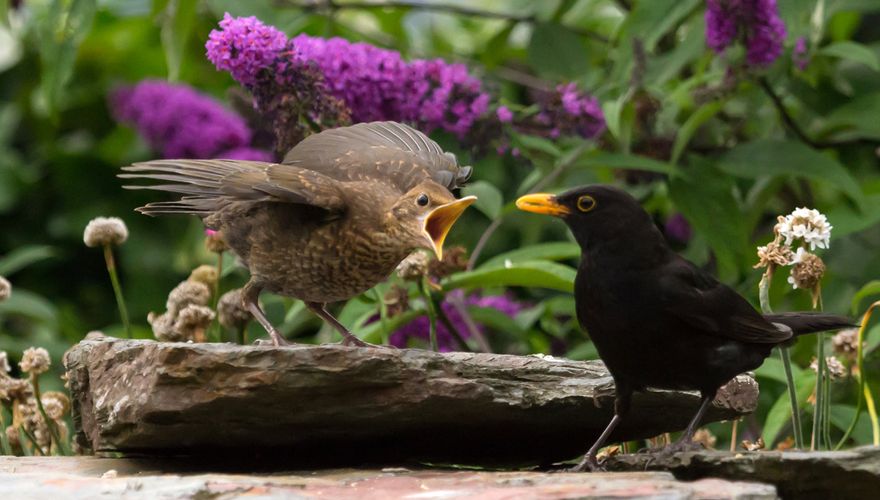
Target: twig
457	9
793	126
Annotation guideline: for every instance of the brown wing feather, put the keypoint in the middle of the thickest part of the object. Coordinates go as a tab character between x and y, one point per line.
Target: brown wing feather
389	151
209	185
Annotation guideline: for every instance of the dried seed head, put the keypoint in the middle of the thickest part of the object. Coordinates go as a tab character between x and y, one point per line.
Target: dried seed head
53	408
396	300
4	363
230	310
58	399
12	437
750	446
12	389
214	241
186	293
5	288
454	260
205	274
774	253
163	327
807	270
846	342
192	322
414	266
102	231
836	370
35	360
706	438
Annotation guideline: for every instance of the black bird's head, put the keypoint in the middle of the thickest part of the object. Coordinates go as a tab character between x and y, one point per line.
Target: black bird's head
597	215
426	213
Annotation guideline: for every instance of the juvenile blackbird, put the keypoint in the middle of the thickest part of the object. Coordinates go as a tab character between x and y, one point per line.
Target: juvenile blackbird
329	222
656	319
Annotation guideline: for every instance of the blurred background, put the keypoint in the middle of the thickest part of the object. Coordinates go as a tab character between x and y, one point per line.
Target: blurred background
717	124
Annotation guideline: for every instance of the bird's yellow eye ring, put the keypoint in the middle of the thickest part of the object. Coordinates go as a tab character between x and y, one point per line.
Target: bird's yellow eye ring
586	203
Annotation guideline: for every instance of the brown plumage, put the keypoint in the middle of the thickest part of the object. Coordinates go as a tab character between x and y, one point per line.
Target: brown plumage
329	222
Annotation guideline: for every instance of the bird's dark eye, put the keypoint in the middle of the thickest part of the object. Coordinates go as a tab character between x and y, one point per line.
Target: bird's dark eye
422	200
586	203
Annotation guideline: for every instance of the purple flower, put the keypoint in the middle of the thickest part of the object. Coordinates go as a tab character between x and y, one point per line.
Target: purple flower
755	22
505	115
178	121
677	228
799	54
373	83
570	111
244	46
419	328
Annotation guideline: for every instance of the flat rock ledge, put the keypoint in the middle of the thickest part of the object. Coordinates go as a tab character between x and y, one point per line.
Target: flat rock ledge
853	473
81	478
347	406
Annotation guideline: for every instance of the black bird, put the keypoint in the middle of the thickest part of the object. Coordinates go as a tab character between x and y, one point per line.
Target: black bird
655	318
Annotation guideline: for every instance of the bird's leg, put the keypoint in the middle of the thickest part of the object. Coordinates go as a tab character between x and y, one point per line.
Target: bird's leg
250	295
686	441
621	407
348	338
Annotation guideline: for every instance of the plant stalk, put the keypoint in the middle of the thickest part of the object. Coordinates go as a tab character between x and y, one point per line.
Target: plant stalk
764	297
117	289
432	313
50	424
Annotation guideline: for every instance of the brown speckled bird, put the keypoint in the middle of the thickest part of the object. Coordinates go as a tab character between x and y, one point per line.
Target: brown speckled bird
331	221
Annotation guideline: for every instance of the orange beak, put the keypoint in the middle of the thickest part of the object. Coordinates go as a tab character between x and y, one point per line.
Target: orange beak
542	203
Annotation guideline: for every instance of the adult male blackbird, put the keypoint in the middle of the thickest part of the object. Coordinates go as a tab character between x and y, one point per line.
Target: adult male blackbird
331	221
656	319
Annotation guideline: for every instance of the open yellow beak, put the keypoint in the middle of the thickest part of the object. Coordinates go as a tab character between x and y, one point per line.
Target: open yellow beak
440	220
542	203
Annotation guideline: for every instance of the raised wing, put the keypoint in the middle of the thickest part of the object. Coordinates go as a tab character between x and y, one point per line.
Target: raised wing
209	185
713	308
387	151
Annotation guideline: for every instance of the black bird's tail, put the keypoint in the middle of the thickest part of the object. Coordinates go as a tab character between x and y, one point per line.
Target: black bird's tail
810	322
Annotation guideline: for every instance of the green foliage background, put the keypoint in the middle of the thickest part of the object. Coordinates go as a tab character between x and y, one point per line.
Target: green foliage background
729	162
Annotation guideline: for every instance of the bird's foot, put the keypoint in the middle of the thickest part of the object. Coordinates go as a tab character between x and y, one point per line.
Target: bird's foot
588	464
351	340
679	446
275	340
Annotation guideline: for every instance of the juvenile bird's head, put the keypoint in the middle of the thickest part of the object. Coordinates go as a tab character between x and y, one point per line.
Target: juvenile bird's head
597	215
426	213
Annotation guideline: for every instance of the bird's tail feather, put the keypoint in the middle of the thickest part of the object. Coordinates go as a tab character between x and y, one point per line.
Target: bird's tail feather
199	181
810	322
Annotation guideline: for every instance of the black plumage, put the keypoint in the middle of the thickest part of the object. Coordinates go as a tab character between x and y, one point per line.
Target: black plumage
655	318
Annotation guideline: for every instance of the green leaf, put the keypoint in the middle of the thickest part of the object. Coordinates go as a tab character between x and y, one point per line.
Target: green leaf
870	288
651	20
489	199
854	52
858	116
692	124
374	332
496	320
780	413
177	24
537	274
28	304
626	161
24	256
541	251
773	369
531	142
776	157
705	197
556	51
62	28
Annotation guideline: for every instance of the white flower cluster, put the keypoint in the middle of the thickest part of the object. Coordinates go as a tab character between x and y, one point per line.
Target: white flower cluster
807	224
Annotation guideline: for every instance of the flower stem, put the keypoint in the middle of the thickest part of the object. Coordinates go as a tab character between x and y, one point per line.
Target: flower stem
432	313
864	389
50	424
30	437
819	405
6	447
383	315
764	296
114	279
